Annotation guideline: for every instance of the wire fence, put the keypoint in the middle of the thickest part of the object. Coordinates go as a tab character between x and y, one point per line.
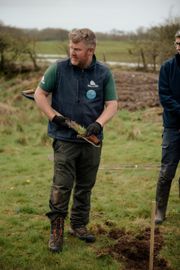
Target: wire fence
145	166
129	166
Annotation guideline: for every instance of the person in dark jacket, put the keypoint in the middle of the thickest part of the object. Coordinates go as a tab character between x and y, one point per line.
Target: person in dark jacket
169	93
83	90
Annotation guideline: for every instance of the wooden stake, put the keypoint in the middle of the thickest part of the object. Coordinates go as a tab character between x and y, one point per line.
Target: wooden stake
151	253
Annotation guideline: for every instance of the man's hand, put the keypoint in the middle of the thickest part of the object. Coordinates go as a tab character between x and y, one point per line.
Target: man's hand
94	128
60	120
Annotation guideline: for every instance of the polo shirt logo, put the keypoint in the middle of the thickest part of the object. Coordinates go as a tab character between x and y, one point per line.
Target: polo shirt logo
91	94
93	84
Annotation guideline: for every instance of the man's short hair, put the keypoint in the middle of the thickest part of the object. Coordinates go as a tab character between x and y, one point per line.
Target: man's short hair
177	35
83	34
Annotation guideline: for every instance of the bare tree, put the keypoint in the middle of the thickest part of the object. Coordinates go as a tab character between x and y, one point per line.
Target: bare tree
155	45
15	44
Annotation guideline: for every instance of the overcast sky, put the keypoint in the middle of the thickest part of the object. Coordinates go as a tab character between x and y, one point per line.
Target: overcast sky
99	15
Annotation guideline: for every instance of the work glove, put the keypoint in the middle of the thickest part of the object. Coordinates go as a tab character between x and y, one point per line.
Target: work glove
94	128
60	120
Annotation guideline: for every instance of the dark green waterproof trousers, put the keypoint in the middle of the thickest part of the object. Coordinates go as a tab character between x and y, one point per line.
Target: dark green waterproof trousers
75	168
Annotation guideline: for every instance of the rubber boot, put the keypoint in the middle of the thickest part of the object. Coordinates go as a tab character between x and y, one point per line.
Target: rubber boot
160	215
162	195
56	235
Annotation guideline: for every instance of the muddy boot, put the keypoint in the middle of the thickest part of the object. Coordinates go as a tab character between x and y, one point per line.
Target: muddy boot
56	235
83	234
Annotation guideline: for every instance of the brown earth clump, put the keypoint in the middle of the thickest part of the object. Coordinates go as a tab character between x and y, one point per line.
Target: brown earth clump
133	250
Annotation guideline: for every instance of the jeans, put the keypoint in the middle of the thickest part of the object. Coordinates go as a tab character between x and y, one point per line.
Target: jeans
169	163
75	168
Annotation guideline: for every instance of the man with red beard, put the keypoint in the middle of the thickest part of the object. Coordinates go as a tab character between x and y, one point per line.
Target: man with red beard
83	90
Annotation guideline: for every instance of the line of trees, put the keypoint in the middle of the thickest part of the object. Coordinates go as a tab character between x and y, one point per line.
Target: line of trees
150	45
47	34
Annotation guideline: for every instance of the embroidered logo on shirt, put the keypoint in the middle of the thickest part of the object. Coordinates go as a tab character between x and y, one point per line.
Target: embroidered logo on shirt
91	94
92	84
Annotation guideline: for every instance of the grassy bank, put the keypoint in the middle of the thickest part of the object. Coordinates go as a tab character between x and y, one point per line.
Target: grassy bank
121	197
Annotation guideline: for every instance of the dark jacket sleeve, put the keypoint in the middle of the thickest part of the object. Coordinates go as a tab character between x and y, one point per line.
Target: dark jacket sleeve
165	92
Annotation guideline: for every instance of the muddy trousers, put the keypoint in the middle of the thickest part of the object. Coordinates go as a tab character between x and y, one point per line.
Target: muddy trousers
169	163
75	169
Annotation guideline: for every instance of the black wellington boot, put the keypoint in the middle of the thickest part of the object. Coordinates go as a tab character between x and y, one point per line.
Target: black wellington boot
56	235
162	196
160	215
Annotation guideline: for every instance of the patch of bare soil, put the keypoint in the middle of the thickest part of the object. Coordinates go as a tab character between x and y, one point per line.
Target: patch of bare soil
133	250
136	90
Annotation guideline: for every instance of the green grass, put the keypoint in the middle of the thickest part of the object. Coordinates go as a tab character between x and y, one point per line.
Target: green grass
51	47
115	51
122	195
110	50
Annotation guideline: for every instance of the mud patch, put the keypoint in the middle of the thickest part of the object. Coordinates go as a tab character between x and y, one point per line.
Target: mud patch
133	250
137	90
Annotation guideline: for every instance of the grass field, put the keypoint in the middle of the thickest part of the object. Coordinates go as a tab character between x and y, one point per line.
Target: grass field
106	50
122	196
